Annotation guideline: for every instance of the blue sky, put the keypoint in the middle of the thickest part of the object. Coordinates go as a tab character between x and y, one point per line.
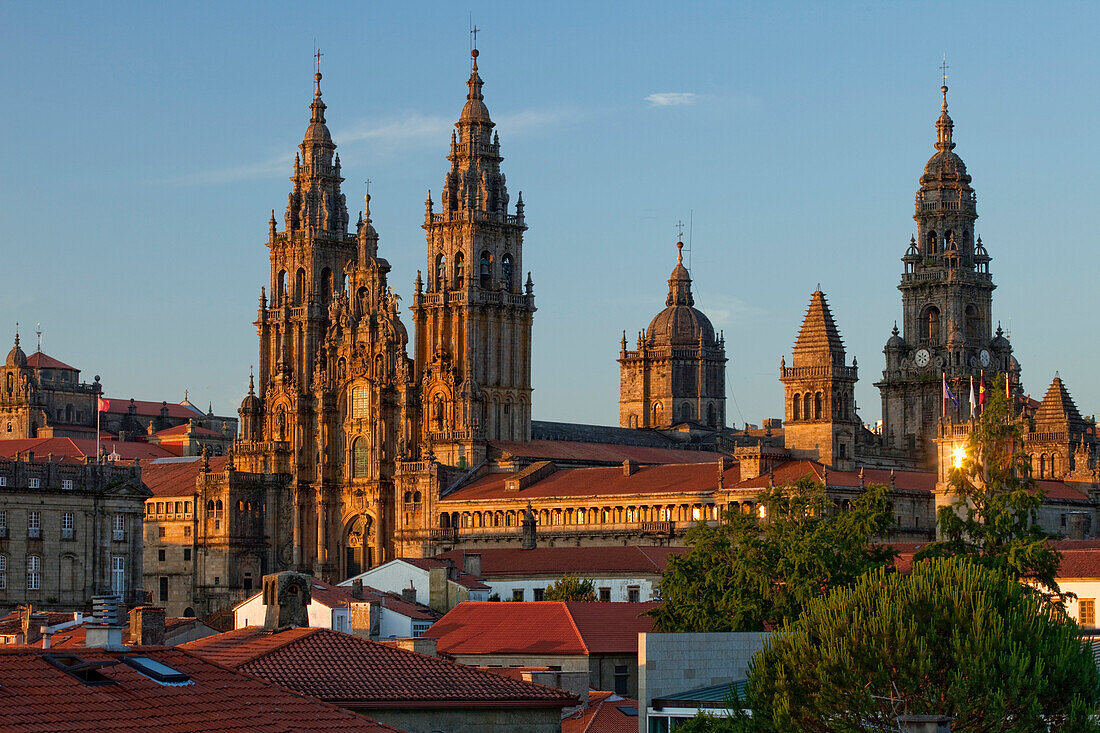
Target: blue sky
147	144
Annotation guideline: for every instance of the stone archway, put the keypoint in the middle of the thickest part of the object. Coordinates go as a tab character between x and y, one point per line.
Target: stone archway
358	545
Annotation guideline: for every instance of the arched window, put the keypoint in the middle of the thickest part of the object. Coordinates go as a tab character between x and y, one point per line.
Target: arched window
931	330
685	412
408	497
817	406
68	413
973	322
486	270
218	508
416	497
931	243
300	286
506	272
444	520
209	508
1043	465
807	406
440	272
280	285
326	285
796	405
656	414
10	382
1054	465
360	458
711	420
460	275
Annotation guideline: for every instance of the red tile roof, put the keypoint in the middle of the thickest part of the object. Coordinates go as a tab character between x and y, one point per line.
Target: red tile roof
604	714
557	561
565	450
541	627
337	596
148	408
462	578
790	471
177	477
79	448
1080	559
352	671
186	429
38	360
12	623
38	696
574	482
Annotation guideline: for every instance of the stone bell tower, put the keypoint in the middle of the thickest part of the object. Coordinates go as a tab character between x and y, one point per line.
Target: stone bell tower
821	421
947	298
473	314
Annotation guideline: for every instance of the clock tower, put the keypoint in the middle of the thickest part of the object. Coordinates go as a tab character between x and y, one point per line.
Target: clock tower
947	297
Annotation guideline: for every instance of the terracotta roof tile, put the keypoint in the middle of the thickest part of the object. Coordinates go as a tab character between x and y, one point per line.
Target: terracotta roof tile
566	450
148	408
606	713
38	696
349	670
79	448
548	627
177	477
186	429
573	482
557	561
336	596
38	360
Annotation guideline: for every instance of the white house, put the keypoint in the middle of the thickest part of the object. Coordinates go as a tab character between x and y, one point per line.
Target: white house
620	574
437	583
359	610
1080	574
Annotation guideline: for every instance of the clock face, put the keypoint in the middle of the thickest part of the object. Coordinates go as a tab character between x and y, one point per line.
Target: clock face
922	357
983	357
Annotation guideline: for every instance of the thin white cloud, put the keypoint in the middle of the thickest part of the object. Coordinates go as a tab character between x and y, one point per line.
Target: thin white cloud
402	132
277	166
671	99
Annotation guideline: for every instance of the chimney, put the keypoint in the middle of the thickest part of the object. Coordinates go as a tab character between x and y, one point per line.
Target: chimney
924	724
629	467
408	595
286	596
471	564
104	629
31	624
357	589
147	626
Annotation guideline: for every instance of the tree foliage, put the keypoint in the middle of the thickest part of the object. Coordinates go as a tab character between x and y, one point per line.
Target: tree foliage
953	638
751	572
993	518
571	588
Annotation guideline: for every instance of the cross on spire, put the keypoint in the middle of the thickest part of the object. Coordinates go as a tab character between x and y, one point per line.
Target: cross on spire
680	229
944	67
317	57
473	36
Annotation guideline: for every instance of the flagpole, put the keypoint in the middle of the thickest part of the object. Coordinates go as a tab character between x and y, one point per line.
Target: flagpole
97	411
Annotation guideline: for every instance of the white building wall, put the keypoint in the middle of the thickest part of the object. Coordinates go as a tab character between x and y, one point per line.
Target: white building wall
253	612
393	577
1084	588
392	625
647	586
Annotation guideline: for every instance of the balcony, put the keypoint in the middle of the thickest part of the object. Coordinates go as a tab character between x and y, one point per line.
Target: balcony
34	533
3	532
118	535
66	533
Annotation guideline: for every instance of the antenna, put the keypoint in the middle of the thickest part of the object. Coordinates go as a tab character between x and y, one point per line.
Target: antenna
691	228
38	330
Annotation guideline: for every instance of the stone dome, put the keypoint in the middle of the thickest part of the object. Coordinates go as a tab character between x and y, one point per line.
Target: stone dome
317	132
895	342
945	165
251	404
16	357
680	325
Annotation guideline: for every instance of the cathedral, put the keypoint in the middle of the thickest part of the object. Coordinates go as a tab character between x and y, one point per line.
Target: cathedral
360	443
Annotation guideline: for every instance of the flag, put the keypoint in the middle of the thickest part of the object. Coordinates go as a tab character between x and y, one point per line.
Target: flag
103	405
973	399
947	393
981	390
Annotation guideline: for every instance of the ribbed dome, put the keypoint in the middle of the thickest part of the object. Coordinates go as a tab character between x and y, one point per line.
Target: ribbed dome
680	325
251	404
317	132
945	165
475	109
16	357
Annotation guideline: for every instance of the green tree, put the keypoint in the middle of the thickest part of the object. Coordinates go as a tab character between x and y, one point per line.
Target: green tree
993	518
571	588
952	638
752	572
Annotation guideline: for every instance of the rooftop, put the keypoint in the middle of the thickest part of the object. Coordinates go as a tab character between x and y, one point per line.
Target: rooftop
606	713
38	360
569	450
40	695
556	561
542	627
349	670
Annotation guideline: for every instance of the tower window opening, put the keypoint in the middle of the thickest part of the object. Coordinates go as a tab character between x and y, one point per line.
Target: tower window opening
973	322
280	288
932	324
486	270
300	287
460	276
506	272
796	405
931	250
807	405
440	272
817	406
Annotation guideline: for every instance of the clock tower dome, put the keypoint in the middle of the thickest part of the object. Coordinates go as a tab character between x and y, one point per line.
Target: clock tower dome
947	297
